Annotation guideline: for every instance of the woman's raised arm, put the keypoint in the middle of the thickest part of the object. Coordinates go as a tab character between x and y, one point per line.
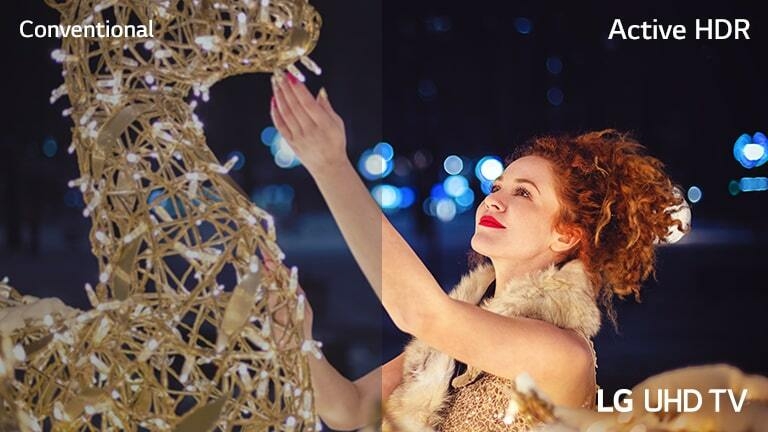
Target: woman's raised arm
316	134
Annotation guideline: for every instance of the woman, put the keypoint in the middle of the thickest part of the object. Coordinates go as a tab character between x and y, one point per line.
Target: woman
571	222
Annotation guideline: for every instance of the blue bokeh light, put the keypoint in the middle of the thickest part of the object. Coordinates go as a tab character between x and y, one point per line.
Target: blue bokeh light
373	166
466	199
554	65
694	194
438	192
385	150
486	186
555	96
50	147
523	25
453	165
489	168
389	197
753	184
408	197
438	24
427	89
240	159
751	151
455	185
445	209
268	135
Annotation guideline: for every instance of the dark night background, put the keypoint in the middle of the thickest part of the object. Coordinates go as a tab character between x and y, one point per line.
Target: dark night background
435	78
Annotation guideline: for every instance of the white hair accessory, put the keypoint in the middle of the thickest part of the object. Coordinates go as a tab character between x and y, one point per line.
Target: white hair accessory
680	212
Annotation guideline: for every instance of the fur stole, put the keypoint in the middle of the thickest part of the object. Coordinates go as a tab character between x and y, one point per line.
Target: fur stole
563	297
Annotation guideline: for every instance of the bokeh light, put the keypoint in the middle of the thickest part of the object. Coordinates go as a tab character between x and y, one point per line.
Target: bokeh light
389	197
554	65
455	185
275	198
268	136
373	166
438	192
407	197
427	89
286	158
438	24
50	147
445	209
555	96
240	159
751	151
453	165
489	168
385	150
694	194
753	184
523	25
466	199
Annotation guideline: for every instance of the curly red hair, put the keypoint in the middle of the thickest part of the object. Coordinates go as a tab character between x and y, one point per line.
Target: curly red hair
613	196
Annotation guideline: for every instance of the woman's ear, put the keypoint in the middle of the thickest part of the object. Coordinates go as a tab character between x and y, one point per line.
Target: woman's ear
565	239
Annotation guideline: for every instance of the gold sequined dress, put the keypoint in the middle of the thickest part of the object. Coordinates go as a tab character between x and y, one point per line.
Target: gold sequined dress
481	405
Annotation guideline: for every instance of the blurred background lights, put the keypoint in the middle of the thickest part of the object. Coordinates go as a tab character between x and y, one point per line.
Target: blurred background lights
753	184
438	24
389	197
286	158
385	150
438	192
427	89
73	198
554	65
523	25
466	199
275	198
445	209
486	186
240	159
50	147
407	197
403	166
372	165
555	96
268	135
455	185
489	168
751	151
422	159
694	194
278	146
453	165
733	187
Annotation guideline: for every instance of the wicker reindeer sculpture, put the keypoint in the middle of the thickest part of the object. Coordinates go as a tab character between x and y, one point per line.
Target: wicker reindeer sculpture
167	346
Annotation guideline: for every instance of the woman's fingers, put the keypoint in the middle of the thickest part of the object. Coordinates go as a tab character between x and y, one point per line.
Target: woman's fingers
305	99
283	107
279	122
287	98
325	105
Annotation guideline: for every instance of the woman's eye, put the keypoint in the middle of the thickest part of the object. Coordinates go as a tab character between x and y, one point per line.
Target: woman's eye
522	191
494	188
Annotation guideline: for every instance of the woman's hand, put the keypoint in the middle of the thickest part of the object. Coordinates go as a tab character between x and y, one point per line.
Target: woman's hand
281	316
310	125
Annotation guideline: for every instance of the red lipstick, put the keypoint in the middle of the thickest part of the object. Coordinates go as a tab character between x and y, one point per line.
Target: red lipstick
491	222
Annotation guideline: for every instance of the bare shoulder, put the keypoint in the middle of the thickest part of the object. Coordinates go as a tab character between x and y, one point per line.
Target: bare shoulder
572	377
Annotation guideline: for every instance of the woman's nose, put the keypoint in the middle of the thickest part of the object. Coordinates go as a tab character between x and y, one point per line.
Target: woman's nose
493	203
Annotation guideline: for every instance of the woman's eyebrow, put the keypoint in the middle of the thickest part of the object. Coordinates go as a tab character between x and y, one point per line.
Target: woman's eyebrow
521	180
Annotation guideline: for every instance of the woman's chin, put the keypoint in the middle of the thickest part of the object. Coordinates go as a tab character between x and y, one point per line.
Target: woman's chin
478	245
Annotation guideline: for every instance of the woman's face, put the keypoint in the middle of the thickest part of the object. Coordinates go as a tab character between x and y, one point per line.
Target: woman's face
515	221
